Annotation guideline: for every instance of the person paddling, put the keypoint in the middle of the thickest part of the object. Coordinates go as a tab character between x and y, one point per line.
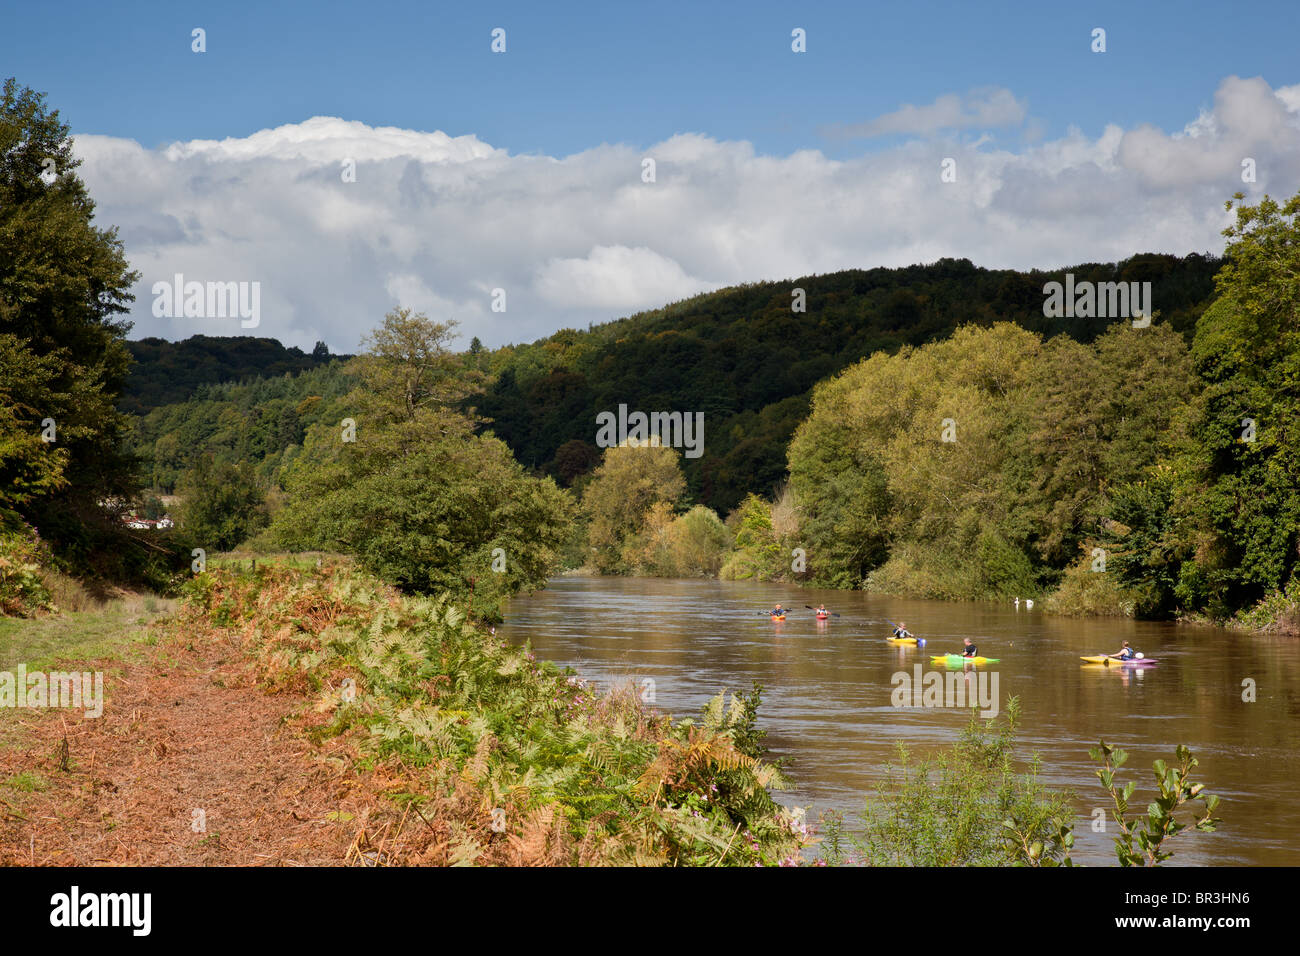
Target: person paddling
1125	653
969	649
822	612
778	611
901	631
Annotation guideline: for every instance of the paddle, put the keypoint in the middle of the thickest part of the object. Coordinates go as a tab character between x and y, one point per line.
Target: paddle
811	608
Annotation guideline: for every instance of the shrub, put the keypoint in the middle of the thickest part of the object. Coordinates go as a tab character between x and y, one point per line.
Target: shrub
23	556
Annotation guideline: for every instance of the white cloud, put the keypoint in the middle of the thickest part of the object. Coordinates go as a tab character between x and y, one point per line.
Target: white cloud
329	139
615	277
437	222
984	108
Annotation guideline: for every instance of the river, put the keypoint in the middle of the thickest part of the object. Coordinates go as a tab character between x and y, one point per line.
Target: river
827	693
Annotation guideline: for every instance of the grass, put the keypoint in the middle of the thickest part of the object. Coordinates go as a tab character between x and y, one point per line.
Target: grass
25	782
115	630
109	630
243	560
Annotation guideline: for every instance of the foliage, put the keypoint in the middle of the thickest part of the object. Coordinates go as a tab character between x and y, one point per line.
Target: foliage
30	467
463	725
1084	591
630	482
757	553
968	806
1278	612
1216	527
169	373
745	359
974	467
222	505
419	498
62	282
262	423
1245	513
23	557
691	545
1141	840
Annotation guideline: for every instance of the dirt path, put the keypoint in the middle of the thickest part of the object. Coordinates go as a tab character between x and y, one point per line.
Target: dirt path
185	730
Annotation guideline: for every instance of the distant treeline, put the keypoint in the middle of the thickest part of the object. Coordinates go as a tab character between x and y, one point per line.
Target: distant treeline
259	423
168	372
749	362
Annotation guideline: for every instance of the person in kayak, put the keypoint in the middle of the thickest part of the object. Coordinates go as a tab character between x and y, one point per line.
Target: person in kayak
969	650
822	612
901	631
1125	653
778	611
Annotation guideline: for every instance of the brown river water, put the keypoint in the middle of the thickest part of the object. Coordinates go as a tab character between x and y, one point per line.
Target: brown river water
827	693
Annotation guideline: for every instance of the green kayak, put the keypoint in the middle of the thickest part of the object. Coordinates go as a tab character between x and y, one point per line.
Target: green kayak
957	660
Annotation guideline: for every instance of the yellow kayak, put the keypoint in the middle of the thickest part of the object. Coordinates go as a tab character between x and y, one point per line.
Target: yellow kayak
901	640
1131	662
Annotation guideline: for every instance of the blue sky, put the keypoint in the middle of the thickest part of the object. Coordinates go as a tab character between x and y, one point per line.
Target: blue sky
477	172
577	75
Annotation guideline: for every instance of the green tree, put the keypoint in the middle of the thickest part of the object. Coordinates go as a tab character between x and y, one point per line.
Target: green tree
221	504
62	282
757	552
1099	415
30	467
418	497
1245	459
629	482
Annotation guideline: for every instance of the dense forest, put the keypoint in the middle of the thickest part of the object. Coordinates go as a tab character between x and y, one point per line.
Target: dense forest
741	356
165	372
748	361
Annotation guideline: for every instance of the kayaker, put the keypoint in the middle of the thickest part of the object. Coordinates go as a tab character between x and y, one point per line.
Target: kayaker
969	650
778	611
822	612
901	631
1125	653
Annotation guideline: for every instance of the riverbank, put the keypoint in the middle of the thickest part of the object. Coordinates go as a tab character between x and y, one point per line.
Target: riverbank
317	716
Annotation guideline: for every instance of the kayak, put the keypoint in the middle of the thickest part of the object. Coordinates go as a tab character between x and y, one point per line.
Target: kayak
822	617
778	617
901	640
1103	659
957	659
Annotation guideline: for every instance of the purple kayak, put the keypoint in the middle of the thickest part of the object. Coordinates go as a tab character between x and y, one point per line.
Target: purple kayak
1131	662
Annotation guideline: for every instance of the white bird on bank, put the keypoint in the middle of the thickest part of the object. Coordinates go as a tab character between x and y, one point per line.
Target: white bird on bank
1017	604
1029	604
